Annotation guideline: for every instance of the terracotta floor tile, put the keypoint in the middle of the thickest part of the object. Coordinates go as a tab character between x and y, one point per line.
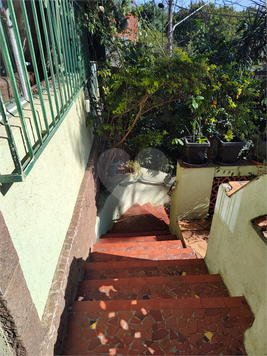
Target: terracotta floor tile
148	322
192	326
199	313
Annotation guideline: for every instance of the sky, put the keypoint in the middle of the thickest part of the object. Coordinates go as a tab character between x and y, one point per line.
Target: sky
238	5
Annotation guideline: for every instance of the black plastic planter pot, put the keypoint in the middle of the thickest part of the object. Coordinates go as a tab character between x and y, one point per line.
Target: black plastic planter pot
195	153
229	151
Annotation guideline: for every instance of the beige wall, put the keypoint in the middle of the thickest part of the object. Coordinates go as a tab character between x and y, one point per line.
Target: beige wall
38	211
123	197
236	251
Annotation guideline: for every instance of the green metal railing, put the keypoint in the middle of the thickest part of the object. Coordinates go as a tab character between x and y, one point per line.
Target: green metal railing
60	71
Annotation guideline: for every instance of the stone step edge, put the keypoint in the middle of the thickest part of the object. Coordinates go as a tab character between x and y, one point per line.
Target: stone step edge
162	228
131	239
135	234
159	304
142	263
142	254
151	281
139	243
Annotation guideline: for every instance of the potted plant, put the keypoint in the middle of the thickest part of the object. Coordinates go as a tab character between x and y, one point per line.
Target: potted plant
112	168
223	128
229	147
133	166
196	145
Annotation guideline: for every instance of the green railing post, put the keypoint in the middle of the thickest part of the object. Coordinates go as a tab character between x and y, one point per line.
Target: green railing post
55	54
15	89
24	68
49	57
42	55
11	141
54	29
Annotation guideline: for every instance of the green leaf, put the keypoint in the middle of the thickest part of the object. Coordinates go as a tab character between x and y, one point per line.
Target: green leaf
194	104
177	141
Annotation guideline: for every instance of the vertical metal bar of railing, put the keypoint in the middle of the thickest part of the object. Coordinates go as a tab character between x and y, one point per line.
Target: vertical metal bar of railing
42	56
34	63
15	89
75	30
74	41
70	32
58	37
44	26
24	69
11	141
67	39
56	56
64	38
79	58
13	42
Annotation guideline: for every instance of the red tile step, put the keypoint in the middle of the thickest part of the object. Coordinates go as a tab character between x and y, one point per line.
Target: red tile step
134	239
160	255
158	327
134	210
151	210
158	233
137	219
139	223
142	246
161	211
198	286
142	268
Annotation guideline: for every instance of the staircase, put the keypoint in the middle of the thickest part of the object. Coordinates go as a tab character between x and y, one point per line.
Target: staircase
145	294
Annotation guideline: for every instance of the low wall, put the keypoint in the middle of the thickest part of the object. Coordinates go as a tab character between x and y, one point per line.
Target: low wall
123	197
236	251
191	197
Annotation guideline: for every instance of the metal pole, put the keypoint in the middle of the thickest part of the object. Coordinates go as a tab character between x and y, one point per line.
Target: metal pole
15	51
170	31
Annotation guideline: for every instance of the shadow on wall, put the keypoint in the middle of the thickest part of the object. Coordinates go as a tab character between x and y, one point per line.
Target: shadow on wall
199	211
76	274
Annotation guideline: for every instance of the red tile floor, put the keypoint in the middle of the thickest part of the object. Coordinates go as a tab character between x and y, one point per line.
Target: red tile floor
142	298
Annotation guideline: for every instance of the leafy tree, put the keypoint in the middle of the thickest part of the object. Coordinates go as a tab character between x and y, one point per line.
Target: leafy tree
222	22
139	87
146	82
252	47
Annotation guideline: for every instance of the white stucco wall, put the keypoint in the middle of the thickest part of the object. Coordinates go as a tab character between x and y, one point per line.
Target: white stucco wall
38	211
123	197
237	252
